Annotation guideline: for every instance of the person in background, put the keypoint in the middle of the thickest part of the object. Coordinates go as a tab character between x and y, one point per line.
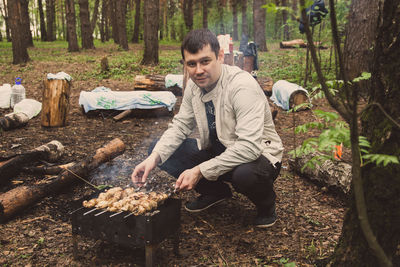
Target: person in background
238	143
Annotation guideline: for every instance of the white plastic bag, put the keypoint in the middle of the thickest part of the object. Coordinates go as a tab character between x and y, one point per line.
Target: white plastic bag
30	107
5	95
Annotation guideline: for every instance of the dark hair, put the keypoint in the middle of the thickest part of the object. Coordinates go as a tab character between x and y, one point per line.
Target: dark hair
195	40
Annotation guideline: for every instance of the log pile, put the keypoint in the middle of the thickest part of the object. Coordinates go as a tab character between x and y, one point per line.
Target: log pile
19	198
14	164
154	82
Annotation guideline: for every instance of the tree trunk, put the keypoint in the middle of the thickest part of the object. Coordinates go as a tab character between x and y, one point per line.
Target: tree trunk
26	23
187	9
151	15
43	33
86	28
63	19
205	14
102	23
71	26
259	24
95	15
121	20
20	51
50	15
135	37
220	21
22	197
245	28
114	22
51	151
235	36
381	184
278	23
360	37
286	35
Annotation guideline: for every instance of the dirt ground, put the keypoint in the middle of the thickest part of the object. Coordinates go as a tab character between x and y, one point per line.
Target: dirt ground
307	229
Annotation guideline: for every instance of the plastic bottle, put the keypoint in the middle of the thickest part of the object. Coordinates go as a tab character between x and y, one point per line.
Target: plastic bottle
17	92
231	46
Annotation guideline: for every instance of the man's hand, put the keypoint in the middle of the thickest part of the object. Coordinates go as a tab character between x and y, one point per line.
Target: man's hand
141	171
188	179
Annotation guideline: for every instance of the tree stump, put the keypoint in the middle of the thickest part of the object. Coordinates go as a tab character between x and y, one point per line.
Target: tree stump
239	60
248	63
55	103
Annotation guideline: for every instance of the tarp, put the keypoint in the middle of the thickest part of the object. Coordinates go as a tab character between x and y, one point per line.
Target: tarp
104	98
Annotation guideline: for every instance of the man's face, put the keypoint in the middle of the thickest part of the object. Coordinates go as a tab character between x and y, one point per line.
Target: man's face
204	67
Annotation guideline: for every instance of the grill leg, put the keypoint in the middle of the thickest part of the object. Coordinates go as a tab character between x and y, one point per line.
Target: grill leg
150	255
75	246
175	242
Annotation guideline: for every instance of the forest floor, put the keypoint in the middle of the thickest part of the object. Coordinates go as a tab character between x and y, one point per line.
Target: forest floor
309	217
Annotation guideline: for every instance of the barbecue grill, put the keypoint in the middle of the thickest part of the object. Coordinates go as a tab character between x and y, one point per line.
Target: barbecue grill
126	229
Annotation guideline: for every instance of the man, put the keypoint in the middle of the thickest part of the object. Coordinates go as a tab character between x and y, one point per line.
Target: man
238	142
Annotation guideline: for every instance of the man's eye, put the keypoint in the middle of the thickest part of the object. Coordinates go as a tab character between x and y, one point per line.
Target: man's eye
205	62
191	64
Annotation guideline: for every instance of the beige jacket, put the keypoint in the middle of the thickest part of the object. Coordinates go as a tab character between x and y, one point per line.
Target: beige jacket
243	121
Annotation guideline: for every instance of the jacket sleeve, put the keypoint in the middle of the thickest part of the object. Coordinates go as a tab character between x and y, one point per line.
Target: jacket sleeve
249	106
178	130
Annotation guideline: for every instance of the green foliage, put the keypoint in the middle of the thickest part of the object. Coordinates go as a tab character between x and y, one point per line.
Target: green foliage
286	262
334	132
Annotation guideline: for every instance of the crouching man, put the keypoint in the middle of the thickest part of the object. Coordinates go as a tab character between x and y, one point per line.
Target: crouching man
238	142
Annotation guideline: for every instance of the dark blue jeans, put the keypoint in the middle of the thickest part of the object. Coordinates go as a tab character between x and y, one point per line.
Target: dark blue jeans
254	179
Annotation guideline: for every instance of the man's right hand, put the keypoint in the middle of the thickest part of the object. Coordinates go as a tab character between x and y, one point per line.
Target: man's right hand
142	170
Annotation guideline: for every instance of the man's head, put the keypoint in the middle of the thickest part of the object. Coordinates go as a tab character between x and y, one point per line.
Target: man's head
195	40
203	58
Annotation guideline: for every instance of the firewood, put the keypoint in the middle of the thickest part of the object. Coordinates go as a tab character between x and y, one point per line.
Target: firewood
47	170
51	151
154	83
55	105
19	198
122	115
13	121
331	174
292	44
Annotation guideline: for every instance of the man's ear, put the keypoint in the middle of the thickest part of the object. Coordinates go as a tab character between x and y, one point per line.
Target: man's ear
221	56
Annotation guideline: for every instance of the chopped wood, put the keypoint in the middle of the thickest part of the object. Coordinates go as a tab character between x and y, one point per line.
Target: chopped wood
19	198
248	63
122	115
299	43
51	151
14	120
298	97
331	174
154	82
55	105
47	170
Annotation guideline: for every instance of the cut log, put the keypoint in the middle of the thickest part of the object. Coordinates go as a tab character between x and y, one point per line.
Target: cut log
248	63
14	120
266	84
299	43
154	83
292	44
239	61
122	115
51	151
331	174
55	104
228	59
48	170
298	97
19	198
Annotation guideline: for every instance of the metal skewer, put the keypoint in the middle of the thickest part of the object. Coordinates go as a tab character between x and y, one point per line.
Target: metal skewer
89	211
115	214
128	215
100	213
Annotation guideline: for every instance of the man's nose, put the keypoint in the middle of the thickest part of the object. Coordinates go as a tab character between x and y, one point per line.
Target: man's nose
199	69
